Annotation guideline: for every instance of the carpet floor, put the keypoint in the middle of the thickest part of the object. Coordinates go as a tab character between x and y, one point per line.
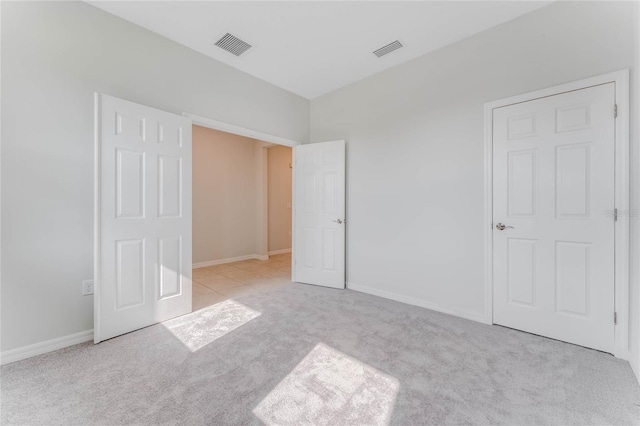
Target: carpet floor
306	355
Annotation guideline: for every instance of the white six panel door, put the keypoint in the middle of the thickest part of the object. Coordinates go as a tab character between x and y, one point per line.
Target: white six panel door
319	214
143	223
553	183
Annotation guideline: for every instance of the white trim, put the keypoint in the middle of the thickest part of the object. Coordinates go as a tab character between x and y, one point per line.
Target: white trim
29	351
0	149
622	226
283	251
239	130
415	302
262	200
229	260
293	214
621	80
488	214
97	208
634	367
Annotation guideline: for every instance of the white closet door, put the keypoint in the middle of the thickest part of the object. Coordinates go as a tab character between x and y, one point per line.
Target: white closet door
553	187
143	216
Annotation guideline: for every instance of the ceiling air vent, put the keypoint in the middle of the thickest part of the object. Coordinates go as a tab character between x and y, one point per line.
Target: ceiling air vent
233	44
387	49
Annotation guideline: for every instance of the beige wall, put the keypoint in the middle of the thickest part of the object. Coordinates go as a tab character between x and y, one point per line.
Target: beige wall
279	190
225	195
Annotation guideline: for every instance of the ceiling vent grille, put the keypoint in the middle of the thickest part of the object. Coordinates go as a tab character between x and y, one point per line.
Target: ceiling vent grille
387	49
233	44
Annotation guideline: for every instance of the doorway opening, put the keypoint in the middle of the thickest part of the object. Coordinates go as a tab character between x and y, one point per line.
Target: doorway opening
242	215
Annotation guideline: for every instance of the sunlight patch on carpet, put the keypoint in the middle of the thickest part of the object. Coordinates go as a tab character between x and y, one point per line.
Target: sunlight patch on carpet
330	388
198	329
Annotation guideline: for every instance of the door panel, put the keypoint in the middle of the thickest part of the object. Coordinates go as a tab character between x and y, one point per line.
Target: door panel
130	266
553	183
170	186
319	213
521	270
170	259
522	182
573	264
573	173
143	223
130	184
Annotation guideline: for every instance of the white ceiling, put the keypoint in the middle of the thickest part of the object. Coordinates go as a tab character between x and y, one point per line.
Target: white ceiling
312	48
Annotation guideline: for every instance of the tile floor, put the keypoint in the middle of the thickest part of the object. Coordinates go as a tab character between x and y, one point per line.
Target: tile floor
214	284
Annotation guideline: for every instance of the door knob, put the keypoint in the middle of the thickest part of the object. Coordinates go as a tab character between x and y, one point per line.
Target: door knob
502	226
338	221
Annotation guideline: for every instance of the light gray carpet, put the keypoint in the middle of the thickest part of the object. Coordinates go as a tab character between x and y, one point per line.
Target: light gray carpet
307	355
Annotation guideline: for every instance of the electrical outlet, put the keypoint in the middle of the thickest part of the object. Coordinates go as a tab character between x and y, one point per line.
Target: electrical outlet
87	288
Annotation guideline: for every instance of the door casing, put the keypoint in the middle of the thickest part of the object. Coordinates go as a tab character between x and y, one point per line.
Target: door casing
621	81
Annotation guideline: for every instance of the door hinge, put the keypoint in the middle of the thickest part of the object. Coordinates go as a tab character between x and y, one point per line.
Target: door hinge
615	111
615	318
615	215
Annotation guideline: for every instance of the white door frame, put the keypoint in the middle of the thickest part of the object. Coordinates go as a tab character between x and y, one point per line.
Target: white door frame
261	162
621	80
240	130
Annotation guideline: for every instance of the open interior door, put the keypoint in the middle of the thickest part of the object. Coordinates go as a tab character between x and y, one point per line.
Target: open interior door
142	268
319	214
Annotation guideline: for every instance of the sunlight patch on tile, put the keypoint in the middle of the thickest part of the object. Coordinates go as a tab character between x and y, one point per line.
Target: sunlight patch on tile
198	329
330	388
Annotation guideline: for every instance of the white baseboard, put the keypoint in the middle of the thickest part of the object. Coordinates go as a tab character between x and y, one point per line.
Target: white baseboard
415	301
229	260
283	251
635	367
29	351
